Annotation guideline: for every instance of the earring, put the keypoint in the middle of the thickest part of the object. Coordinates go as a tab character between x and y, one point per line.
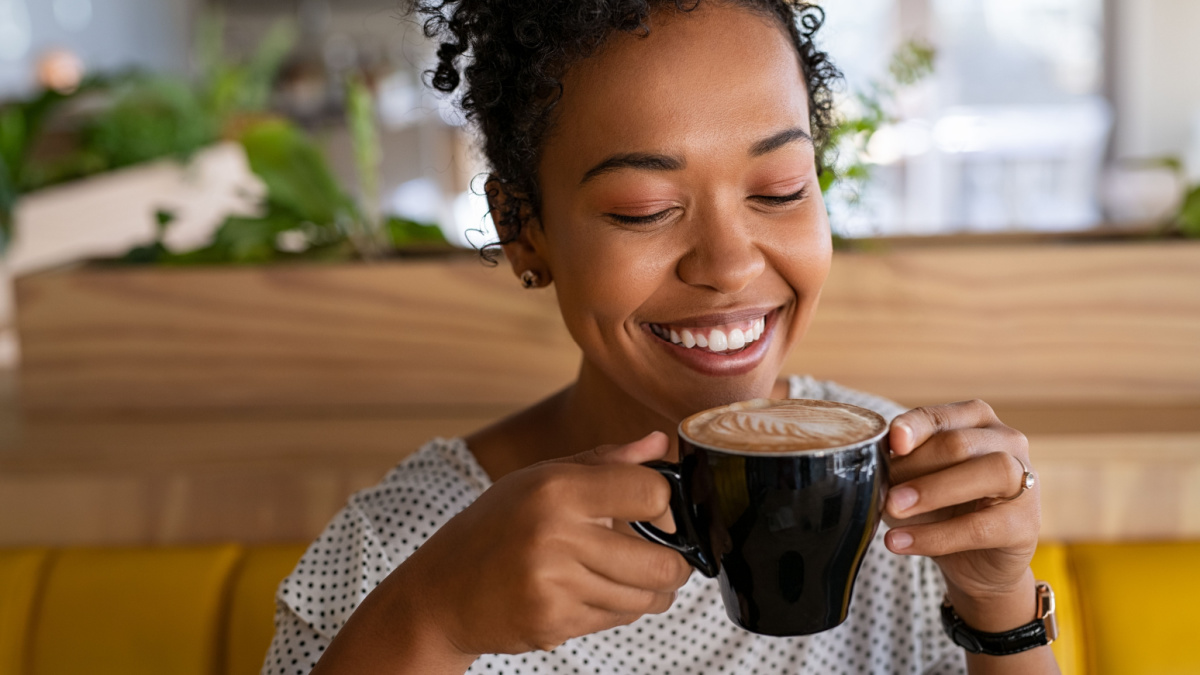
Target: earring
530	279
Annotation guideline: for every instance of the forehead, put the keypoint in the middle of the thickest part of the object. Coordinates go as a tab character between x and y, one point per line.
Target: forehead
701	81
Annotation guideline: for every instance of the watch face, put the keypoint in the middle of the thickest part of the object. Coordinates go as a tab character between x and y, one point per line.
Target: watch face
1045	610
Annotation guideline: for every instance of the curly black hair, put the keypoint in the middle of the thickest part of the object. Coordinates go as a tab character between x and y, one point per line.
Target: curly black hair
518	51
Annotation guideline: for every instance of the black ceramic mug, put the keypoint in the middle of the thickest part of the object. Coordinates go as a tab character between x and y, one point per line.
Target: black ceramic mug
779	501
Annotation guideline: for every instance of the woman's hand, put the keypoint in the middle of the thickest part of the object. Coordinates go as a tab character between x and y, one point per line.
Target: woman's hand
536	560
951	467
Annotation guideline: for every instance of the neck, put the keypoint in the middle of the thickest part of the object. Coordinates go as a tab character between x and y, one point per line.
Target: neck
595	411
591	412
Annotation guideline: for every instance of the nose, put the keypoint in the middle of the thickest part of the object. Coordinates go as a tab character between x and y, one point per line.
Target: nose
722	255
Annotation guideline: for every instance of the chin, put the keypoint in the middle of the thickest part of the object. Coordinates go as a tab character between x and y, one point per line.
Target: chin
723	391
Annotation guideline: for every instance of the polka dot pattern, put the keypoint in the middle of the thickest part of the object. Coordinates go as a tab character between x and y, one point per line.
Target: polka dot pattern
893	625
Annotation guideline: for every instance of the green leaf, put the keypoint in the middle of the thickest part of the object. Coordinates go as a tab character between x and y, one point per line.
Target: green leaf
912	63
826	179
163	218
1189	215
403	232
252	240
297	177
150	118
14	137
364	137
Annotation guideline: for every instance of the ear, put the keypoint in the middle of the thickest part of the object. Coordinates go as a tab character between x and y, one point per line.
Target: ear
523	251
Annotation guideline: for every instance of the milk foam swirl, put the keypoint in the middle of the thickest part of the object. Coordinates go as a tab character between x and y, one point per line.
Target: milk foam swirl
764	425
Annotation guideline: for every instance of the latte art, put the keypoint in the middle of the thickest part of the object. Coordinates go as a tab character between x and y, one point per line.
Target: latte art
763	425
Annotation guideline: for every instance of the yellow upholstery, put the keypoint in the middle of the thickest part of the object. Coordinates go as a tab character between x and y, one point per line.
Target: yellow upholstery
1050	564
20	577
1139	603
130	611
1123	608
252	606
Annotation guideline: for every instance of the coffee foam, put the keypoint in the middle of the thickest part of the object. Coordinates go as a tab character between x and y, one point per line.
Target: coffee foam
765	425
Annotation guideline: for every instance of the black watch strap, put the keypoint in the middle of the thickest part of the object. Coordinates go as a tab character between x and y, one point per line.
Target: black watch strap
1022	638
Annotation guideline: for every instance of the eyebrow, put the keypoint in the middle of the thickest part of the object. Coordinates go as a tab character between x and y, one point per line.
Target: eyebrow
634	160
779	140
652	162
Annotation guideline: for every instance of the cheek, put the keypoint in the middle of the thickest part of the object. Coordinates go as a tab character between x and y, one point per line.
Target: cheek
800	252
602	274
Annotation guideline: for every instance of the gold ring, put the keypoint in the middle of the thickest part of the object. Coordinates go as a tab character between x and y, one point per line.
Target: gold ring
1028	480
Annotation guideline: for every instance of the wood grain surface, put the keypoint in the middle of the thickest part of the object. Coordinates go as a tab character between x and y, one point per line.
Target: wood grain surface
282	480
174	406
1099	323
387	336
1096	323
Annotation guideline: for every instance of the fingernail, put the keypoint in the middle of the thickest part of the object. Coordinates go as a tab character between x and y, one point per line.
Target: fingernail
903	498
901	540
903	430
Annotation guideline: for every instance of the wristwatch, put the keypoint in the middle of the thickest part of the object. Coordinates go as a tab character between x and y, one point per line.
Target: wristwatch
1037	633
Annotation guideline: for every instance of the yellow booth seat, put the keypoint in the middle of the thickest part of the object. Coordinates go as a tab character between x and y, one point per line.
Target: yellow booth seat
1122	608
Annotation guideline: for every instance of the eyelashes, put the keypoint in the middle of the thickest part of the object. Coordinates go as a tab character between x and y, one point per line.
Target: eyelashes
639	220
768	200
796	196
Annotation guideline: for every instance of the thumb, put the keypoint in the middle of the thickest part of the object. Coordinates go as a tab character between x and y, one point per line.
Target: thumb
654	445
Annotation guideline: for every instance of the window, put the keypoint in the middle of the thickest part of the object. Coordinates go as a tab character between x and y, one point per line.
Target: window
1008	133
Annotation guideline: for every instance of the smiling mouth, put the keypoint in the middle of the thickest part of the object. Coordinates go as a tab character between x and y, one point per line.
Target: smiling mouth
727	338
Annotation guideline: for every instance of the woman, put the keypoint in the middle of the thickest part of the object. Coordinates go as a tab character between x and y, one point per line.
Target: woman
657	164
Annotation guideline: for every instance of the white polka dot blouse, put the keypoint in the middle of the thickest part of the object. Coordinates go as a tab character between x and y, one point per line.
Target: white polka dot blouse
893	626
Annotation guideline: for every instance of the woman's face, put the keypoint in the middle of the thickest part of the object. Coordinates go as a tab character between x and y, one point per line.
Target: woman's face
681	208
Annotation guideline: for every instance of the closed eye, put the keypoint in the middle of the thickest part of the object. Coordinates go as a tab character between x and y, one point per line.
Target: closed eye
772	200
780	200
639	220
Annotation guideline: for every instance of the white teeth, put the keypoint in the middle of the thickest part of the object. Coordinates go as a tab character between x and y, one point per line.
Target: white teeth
716	340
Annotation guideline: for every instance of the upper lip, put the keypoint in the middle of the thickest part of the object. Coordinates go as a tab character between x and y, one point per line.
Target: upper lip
720	318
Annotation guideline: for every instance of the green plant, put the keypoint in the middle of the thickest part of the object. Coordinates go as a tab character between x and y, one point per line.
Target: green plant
1189	214
227	87
364	137
20	125
845	160
305	214
127	118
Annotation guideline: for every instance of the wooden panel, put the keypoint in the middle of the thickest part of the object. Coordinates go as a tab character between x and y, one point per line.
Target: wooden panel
175	406
139	482
1095	324
376	336
183	482
1104	487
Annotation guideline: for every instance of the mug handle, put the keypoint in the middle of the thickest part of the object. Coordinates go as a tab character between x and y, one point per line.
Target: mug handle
684	539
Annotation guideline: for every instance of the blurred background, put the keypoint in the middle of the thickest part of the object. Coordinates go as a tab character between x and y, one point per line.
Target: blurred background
237	280
1037	115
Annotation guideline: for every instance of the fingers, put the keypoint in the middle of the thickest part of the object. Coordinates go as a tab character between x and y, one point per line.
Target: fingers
910	430
604	594
995	475
636	563
628	492
654	445
953	447
997	527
